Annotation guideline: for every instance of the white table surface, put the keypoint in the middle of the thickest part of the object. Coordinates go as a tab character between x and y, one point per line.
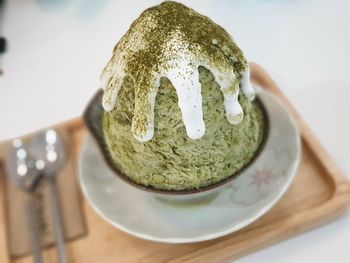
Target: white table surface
58	48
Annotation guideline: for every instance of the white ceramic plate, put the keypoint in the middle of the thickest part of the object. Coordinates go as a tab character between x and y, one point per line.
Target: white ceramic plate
238	204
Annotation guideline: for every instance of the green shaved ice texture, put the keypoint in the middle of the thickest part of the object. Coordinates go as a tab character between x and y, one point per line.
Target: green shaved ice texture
173	161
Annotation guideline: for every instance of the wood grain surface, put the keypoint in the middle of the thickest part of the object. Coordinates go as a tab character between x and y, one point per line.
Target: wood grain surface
319	193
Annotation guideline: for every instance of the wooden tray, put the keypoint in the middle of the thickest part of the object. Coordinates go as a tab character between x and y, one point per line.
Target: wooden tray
319	193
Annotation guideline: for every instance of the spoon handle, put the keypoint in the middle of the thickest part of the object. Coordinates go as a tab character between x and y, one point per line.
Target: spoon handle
57	222
33	228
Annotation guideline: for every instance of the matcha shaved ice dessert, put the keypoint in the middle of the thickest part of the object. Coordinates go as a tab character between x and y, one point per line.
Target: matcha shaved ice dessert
179	107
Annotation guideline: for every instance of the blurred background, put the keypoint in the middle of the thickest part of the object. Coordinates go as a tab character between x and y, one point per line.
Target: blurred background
56	49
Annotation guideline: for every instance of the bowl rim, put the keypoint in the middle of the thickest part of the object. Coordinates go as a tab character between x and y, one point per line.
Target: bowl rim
96	100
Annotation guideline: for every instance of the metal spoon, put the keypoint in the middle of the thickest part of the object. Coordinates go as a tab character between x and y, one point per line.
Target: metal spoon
23	171
48	147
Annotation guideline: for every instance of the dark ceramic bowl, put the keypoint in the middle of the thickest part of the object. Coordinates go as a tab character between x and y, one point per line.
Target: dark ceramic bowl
93	117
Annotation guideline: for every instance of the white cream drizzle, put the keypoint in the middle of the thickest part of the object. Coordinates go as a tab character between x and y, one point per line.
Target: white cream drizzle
188	89
182	70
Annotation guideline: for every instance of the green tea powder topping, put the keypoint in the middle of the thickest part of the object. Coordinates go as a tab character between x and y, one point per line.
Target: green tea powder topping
171	40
